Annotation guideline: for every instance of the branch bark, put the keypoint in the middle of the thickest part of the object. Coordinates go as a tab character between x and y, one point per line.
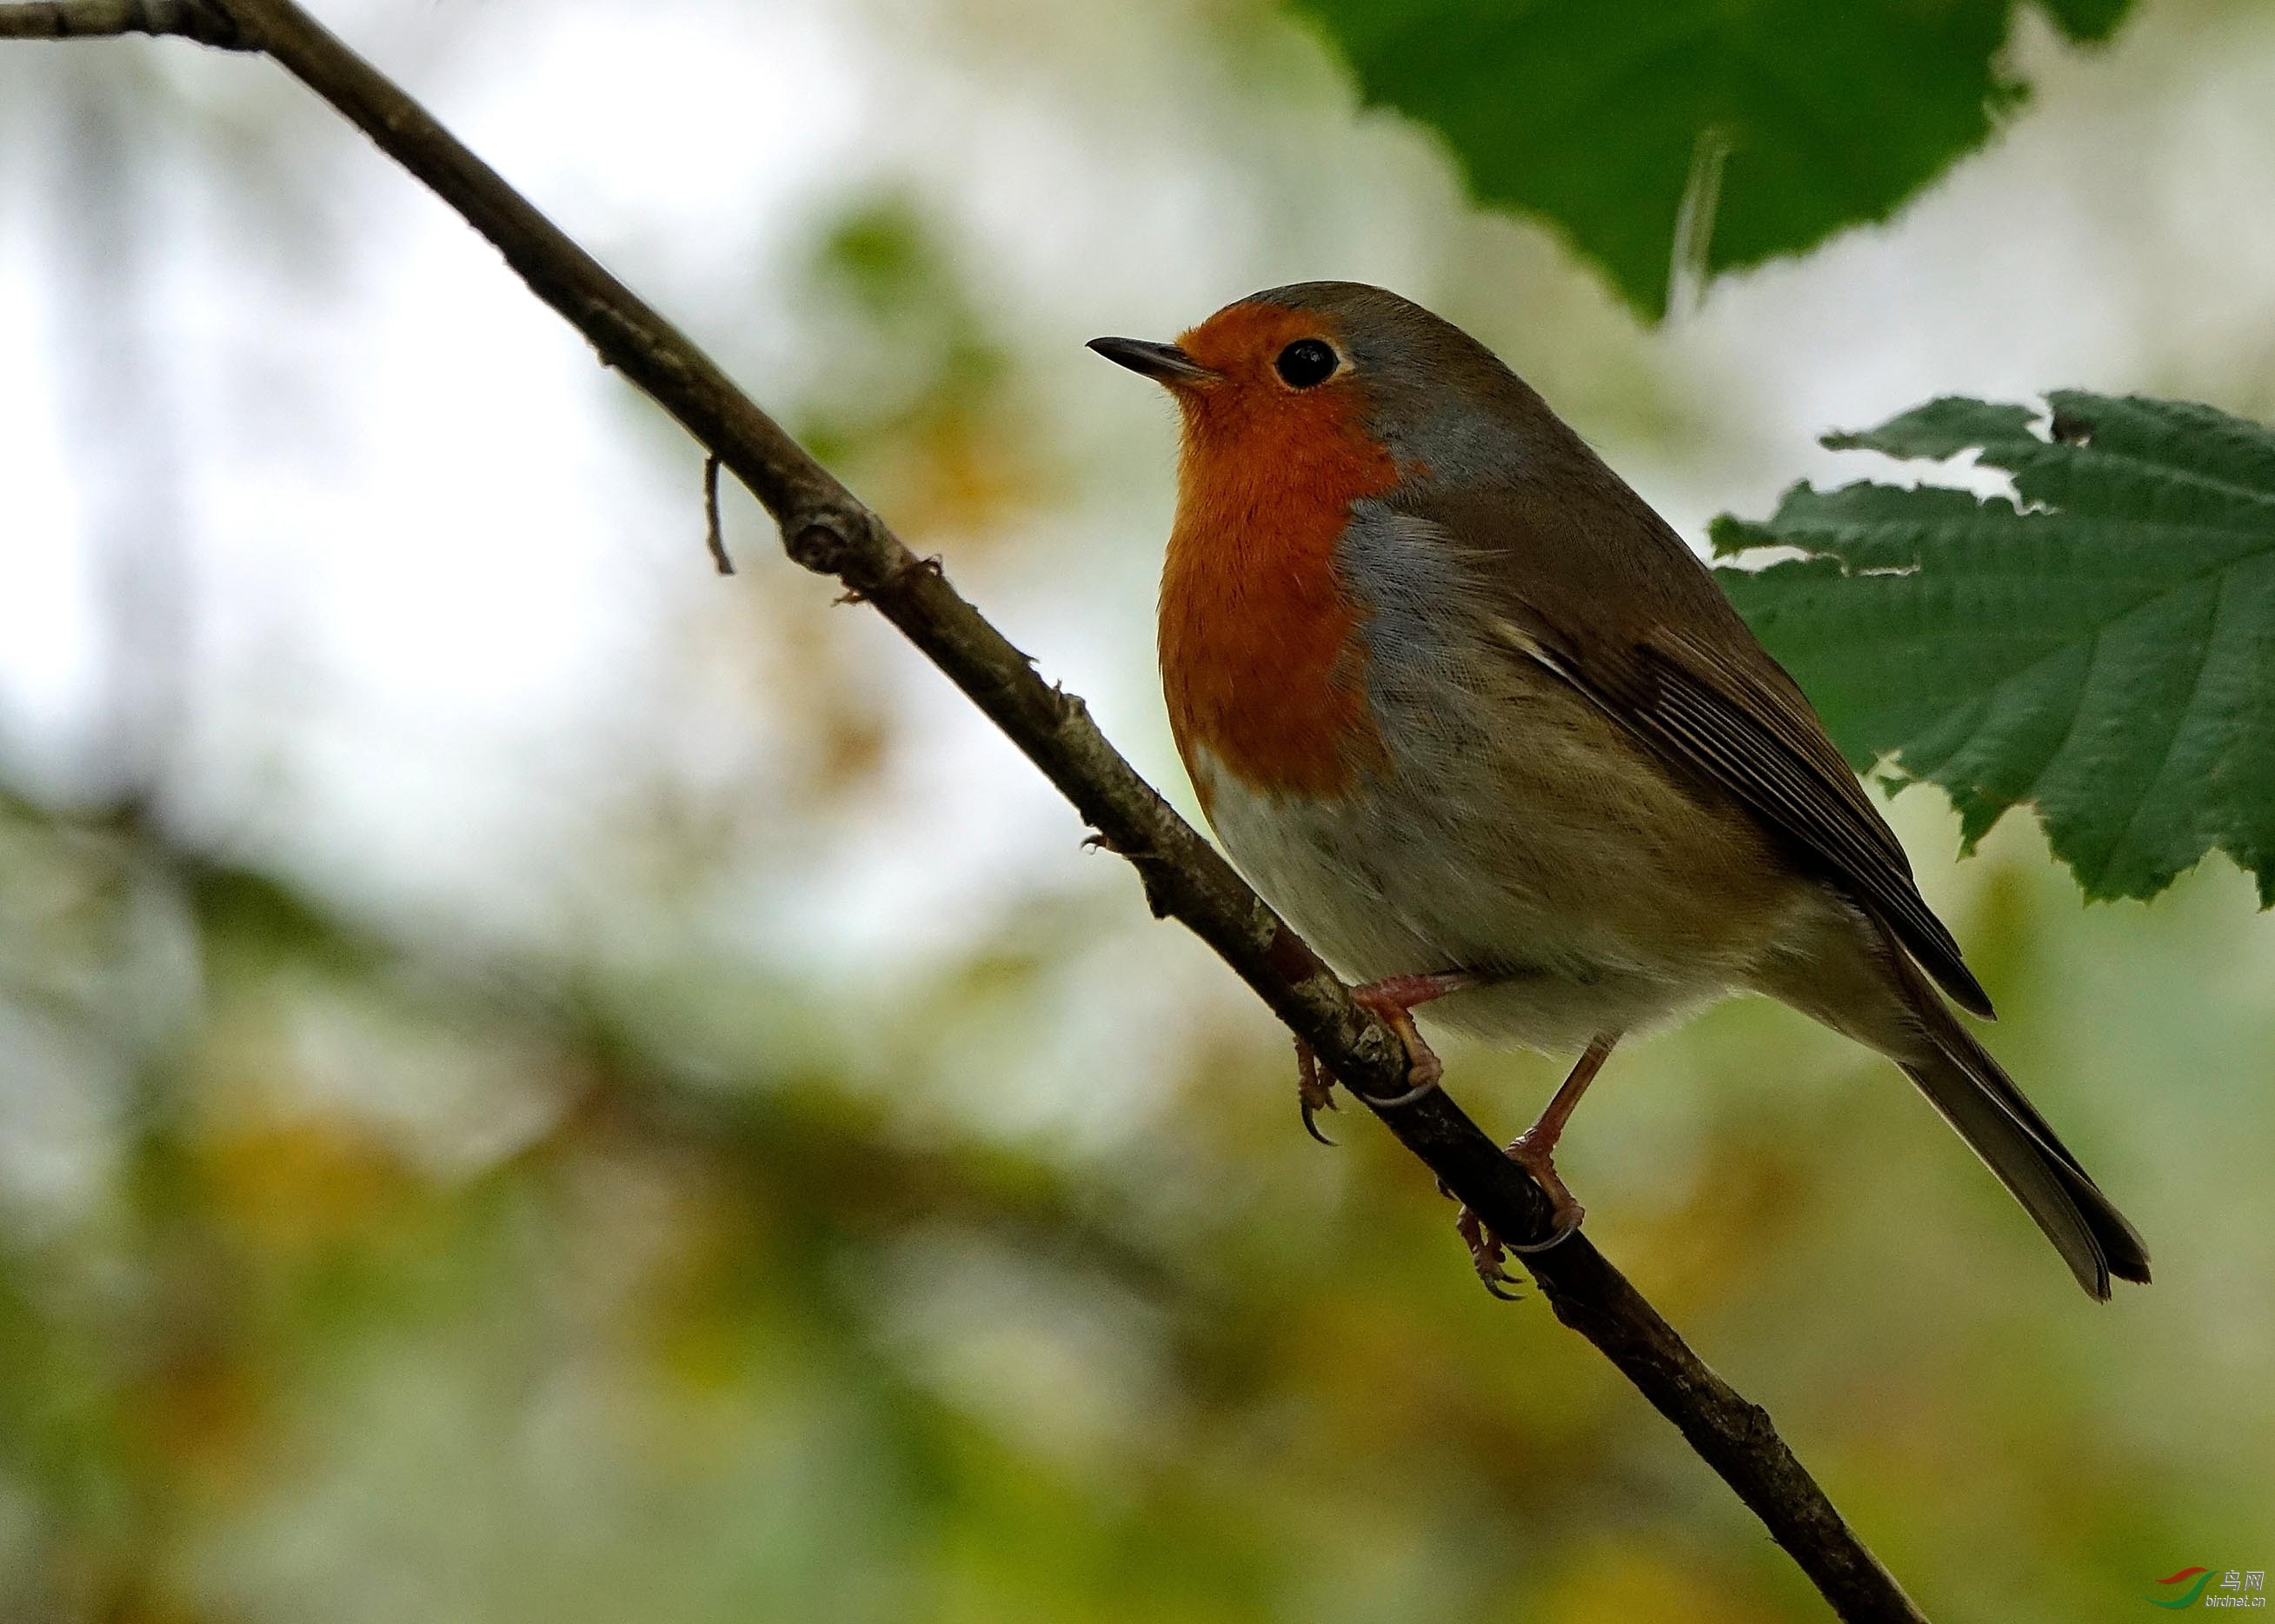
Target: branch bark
825	529
75	20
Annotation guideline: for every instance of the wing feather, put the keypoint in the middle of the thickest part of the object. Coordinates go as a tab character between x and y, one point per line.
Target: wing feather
1823	811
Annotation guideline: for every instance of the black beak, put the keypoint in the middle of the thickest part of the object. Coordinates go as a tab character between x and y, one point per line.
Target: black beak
1162	363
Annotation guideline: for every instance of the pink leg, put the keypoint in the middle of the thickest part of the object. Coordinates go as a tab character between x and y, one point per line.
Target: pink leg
1393	999
1535	1151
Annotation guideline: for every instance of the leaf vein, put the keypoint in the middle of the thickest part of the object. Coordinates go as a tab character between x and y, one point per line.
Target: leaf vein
2180	720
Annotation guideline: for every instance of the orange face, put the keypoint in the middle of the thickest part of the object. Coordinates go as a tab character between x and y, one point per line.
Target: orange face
1282	383
1258	657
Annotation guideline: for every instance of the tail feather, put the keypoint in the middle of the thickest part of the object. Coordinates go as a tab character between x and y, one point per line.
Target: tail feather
1853	975
1979	1100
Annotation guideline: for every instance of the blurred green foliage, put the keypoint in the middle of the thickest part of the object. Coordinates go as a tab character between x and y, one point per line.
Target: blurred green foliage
2101	645
923	415
1686	137
386	1281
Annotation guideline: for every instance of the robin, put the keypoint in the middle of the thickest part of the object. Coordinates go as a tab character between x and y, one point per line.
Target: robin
1475	719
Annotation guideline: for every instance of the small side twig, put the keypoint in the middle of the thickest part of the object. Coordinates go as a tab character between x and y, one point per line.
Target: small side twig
1156	902
713	536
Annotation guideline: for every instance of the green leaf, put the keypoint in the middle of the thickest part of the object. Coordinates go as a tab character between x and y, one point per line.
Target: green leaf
1783	121
1940	428
2102	647
2087	21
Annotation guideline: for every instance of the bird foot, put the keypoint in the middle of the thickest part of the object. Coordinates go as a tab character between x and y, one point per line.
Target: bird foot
1488	1256
1392	1001
1488	1252
1537	1157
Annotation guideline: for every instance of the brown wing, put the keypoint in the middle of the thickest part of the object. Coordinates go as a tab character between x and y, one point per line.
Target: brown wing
1597	587
1773	755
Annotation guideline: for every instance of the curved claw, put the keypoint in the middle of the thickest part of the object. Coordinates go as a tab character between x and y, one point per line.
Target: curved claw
1567	1224
1495	1285
1315	1090
1391	1102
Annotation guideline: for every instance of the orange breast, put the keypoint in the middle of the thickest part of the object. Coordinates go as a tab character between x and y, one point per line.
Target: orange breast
1258	663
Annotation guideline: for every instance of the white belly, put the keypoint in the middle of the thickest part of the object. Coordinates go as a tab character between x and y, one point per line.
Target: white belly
1397	878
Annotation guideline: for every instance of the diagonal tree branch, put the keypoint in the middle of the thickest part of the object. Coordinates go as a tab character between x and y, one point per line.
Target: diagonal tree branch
75	19
826	530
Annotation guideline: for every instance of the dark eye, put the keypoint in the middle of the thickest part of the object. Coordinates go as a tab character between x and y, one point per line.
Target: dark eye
1306	362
